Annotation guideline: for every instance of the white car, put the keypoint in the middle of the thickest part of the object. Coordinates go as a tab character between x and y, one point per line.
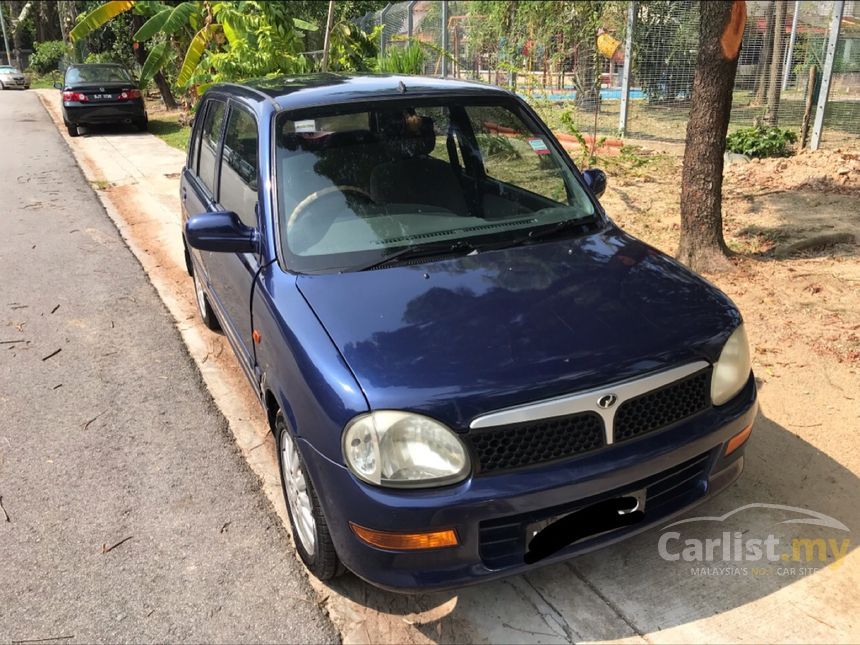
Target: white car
11	77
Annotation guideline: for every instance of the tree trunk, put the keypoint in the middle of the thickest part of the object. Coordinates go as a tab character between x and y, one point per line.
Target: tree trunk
64	36
763	65
140	57
66	14
164	89
702	246
42	24
774	86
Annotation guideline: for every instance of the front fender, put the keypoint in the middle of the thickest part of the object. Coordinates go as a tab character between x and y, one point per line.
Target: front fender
300	365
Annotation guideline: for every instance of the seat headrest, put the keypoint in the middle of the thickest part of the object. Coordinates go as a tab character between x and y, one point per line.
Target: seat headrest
407	134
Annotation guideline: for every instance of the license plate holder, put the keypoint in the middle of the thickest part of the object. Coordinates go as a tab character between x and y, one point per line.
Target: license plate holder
545	537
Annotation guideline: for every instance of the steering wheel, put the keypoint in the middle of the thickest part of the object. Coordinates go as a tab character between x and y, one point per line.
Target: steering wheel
323	192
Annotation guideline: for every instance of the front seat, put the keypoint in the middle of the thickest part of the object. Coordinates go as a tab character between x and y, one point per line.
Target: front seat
413	176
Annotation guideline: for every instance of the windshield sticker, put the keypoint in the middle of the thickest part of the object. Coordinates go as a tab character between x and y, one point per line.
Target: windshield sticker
308	125
539	146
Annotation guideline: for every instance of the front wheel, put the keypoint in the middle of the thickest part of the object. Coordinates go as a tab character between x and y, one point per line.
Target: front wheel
207	314
310	531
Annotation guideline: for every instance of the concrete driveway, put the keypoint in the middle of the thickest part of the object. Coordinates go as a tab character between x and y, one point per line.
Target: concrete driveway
626	592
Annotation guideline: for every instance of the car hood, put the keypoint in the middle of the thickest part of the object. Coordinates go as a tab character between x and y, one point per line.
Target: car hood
457	338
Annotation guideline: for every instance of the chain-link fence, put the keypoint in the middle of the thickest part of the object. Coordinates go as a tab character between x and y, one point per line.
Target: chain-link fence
628	67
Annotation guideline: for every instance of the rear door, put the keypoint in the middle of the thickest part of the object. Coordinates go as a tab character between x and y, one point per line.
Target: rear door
231	275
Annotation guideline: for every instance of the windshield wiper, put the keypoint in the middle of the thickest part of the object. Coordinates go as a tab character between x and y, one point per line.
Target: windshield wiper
421	251
554	229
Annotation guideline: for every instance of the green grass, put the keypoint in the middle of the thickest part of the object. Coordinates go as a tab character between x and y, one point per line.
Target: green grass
47	81
168	129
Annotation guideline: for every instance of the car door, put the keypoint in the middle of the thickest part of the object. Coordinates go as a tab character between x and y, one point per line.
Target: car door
231	275
199	178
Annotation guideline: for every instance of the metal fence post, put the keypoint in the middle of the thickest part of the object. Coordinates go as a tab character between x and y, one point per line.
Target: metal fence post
835	25
625	73
444	38
786	69
410	9
382	15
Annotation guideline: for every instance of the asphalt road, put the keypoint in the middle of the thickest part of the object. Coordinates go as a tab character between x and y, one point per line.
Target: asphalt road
131	515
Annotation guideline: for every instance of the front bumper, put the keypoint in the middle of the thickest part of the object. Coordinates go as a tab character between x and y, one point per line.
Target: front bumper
101	113
678	467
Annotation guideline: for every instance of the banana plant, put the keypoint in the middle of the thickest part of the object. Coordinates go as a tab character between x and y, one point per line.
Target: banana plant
238	39
188	24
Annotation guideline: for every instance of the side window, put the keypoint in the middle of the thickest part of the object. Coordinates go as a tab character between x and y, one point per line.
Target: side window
514	156
210	135
239	167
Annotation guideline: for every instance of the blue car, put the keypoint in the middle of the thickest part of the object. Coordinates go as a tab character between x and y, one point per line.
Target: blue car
469	369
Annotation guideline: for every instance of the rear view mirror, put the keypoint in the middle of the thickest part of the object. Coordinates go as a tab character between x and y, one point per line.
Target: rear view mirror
58	86
595	179
220	232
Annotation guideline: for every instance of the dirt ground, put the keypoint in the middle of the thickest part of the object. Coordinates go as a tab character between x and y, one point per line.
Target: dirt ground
799	306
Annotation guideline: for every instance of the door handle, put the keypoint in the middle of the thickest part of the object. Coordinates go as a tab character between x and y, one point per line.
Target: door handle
184	193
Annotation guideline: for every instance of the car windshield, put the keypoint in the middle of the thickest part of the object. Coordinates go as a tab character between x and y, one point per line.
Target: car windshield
357	186
96	74
5	69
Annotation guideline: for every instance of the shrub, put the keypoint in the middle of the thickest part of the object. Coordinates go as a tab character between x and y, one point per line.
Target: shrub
47	56
104	57
761	141
407	59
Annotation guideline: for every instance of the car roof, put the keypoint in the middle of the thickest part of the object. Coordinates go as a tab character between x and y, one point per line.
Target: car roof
298	92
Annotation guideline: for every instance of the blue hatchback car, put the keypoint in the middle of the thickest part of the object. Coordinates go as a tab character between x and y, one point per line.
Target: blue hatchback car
470	370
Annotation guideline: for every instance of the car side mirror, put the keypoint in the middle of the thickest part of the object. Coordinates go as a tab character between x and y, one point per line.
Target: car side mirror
220	232
595	179
58	86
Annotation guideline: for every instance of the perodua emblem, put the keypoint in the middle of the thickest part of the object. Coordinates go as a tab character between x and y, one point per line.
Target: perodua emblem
606	401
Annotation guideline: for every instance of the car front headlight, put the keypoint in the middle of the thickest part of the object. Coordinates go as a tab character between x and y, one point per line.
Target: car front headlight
405	450
732	370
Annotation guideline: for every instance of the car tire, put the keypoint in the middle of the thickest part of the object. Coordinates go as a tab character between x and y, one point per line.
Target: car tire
72	129
310	530
142	124
2	87
207	314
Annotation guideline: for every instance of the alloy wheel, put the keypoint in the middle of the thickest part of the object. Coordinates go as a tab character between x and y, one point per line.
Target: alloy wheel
301	506
201	295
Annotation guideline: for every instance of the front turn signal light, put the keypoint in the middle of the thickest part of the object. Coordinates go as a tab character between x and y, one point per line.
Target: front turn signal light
738	440
405	541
